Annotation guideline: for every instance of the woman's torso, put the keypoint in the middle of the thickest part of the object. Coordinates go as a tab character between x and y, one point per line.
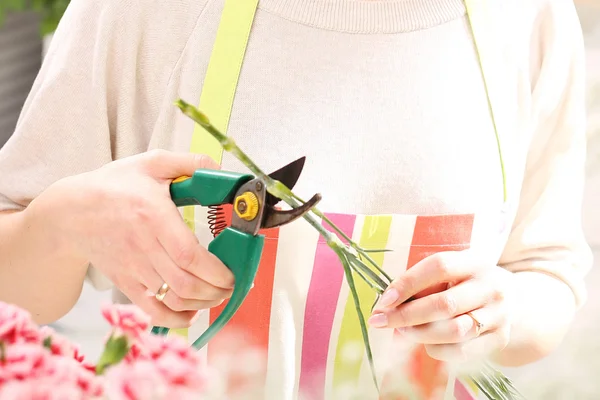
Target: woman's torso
392	116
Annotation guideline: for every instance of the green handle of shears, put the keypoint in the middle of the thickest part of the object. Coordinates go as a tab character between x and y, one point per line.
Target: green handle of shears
207	187
239	251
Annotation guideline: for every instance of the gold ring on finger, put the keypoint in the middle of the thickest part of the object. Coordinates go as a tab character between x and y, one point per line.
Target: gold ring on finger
162	292
478	325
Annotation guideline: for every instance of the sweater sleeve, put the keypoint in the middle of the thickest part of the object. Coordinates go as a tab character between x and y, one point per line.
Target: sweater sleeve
97	95
64	127
547	235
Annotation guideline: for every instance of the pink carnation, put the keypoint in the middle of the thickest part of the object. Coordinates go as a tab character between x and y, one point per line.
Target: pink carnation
61	346
33	366
138	381
128	320
39	390
145	380
179	366
69	372
16	325
23	361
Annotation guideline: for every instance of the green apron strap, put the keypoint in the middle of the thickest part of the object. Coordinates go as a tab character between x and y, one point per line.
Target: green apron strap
220	83
484	30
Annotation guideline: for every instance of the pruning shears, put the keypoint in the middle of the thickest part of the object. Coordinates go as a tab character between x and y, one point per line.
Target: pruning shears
240	245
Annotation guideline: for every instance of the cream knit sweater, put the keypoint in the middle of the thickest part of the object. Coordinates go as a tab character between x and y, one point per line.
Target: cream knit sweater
385	98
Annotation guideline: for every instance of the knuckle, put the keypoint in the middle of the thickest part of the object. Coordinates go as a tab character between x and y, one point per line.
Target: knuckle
185	257
441	264
446	304
459	328
399	317
156	155
204	161
498	296
175	303
141	210
183	287
405	284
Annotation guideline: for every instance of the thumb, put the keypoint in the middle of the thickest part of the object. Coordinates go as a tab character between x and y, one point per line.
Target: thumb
162	164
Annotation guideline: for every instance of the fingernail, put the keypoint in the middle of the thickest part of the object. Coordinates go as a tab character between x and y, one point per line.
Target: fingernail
389	297
378	320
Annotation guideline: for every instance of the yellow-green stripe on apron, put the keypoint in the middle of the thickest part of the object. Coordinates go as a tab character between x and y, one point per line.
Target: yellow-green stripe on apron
220	83
374	235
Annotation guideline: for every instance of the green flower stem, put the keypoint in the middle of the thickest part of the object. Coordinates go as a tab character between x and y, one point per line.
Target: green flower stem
274	187
353	244
363	325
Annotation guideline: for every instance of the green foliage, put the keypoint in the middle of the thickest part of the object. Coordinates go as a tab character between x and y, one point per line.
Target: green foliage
51	11
115	350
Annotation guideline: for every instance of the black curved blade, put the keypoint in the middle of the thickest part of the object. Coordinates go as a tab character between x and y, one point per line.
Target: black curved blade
274	218
287	175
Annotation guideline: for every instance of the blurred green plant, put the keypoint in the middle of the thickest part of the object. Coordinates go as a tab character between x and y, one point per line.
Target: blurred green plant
51	11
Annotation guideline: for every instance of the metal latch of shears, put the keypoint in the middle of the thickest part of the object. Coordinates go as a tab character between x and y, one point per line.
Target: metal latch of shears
240	245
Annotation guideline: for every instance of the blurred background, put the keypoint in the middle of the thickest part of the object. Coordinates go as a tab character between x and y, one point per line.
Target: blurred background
571	373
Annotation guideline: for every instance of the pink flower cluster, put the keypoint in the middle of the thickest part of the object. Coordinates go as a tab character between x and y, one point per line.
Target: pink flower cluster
38	364
167	368
126	320
155	367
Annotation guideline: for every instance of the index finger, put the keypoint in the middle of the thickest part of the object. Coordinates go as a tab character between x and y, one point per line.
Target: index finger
444	267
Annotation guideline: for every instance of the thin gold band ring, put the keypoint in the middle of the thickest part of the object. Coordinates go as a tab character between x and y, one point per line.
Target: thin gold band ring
162	292
478	325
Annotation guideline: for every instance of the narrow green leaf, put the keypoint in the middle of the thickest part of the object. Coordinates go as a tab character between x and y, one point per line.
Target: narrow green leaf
495	385
362	252
355	246
376	301
357	263
367	280
377	250
361	318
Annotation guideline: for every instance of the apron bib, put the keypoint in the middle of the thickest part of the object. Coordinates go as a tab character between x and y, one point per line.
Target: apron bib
297	334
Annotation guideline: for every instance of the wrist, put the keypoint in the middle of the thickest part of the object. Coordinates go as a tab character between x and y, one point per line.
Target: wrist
50	219
543	310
